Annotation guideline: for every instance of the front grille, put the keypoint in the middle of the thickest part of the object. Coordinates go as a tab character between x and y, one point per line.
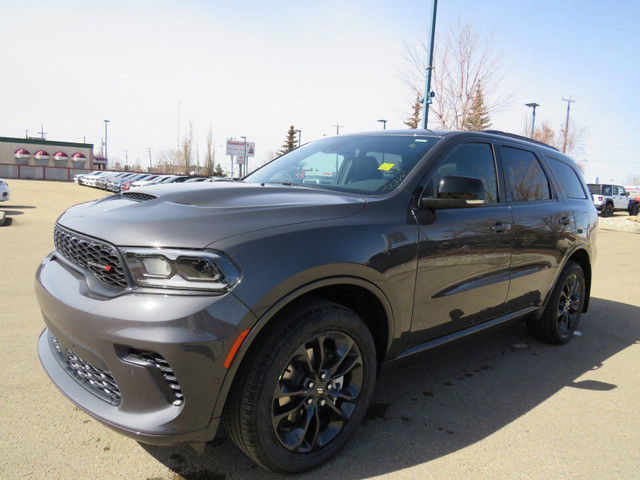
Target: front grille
138	196
97	381
99	257
174	391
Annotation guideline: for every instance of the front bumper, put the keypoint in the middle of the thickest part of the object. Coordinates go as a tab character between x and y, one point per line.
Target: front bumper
193	334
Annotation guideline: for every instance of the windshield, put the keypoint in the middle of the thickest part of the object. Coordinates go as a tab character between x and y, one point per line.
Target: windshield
367	164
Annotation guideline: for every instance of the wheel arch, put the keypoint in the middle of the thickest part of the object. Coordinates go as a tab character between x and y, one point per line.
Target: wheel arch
580	256
361	296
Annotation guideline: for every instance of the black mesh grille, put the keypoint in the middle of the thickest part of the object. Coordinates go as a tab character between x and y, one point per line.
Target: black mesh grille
100	258
100	382
138	196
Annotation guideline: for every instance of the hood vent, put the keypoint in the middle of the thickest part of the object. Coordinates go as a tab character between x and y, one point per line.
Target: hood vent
138	196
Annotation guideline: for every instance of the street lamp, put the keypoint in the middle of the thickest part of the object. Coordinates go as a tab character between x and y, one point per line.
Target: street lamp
244	164
384	124
299	132
105	141
533	116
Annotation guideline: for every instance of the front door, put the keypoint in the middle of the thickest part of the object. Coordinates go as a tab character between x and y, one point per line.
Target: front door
463	253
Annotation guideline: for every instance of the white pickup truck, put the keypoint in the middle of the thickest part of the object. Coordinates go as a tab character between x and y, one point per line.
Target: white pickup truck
609	198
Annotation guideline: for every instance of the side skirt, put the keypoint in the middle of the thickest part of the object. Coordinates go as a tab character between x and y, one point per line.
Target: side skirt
437	342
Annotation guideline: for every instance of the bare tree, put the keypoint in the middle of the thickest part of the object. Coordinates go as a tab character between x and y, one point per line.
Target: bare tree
633	179
464	58
186	151
210	159
545	134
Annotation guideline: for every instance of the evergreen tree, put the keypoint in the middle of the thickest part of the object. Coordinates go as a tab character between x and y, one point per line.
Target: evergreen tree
414	120
289	142
218	172
478	118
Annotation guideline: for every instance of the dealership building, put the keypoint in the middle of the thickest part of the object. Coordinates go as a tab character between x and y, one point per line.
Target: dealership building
42	159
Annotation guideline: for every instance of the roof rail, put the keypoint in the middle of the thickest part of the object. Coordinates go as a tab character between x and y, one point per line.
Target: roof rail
520	137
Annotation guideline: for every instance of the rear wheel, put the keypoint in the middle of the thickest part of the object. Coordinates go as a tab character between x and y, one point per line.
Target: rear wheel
305	388
608	210
562	314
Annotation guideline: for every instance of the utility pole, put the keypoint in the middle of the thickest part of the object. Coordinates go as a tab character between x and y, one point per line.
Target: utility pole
427	86
42	132
337	125
149	150
299	132
569	101
244	161
178	124
384	124
106	158
126	157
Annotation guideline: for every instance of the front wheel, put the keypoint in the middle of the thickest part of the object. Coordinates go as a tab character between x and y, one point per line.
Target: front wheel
561	316
301	394
634	210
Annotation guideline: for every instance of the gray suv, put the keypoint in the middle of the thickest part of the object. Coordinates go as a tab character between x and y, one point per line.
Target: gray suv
268	305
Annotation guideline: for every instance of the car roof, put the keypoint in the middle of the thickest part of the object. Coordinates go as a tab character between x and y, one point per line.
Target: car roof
420	132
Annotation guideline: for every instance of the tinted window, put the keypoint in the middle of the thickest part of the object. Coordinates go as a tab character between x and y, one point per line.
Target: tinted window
567	178
615	190
606	189
526	181
468	160
594	188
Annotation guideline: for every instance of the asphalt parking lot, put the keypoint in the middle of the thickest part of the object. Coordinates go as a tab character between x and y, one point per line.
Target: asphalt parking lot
499	406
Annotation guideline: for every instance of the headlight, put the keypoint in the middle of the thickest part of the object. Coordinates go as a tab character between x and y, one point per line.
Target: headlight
181	269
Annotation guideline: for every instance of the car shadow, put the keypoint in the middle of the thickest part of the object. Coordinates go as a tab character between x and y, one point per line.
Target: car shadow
446	400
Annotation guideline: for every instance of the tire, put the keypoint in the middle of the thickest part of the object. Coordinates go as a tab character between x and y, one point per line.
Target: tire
608	210
634	210
287	359
561	316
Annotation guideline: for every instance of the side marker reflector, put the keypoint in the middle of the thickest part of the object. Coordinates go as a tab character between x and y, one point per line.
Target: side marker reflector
235	347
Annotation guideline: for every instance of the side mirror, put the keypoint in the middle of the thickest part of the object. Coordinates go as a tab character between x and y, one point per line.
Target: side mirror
456	192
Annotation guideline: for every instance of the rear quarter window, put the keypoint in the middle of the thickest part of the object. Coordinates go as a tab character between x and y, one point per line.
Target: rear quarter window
567	178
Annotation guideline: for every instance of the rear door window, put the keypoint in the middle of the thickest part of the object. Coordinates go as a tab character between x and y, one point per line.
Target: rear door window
525	178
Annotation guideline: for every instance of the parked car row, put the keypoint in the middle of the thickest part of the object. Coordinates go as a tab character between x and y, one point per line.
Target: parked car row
123	181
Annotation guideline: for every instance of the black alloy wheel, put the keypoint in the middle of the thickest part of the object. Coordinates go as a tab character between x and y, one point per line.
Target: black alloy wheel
561	316
569	304
303	388
317	392
635	210
608	210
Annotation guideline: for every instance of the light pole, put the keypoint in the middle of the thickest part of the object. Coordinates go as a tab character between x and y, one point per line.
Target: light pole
299	132
533	116
384	124
105	142
427	86
244	164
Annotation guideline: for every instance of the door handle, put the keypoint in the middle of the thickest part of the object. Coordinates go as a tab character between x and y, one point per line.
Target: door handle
501	227
565	221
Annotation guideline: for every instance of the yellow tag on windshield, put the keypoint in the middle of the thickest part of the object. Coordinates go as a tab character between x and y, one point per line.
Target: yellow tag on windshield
386	166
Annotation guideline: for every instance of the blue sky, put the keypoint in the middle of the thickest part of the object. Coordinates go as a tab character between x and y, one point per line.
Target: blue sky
254	69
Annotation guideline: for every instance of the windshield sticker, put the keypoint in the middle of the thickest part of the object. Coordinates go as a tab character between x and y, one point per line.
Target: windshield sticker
386	166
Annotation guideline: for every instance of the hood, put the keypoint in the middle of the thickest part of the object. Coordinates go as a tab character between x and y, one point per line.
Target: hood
197	214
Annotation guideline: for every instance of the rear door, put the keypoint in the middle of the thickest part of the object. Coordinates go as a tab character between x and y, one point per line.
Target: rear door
542	226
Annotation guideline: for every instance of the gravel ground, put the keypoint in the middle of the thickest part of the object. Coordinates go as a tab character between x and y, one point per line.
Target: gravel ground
620	221
499	406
